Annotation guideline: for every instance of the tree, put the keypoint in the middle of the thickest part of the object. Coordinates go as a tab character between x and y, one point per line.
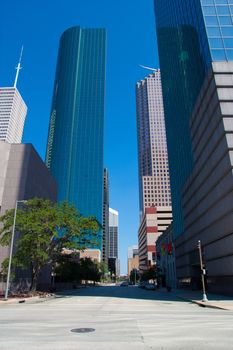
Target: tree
134	276
150	274
45	230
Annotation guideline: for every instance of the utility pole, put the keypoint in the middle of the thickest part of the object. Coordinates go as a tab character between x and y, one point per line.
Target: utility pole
203	272
11	250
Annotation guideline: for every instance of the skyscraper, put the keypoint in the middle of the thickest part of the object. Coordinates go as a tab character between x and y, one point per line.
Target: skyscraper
195	41
113	261
75	141
13	112
154	182
191	34
113	233
105	244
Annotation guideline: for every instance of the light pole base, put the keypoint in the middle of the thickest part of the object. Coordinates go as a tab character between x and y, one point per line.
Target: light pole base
204	298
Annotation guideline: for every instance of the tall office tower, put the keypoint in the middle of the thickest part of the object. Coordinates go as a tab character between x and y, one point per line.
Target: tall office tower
113	233
105	244
195	41
154	182
75	142
113	261
13	112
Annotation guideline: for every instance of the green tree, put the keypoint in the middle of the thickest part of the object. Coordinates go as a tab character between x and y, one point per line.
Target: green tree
45	230
150	274
134	275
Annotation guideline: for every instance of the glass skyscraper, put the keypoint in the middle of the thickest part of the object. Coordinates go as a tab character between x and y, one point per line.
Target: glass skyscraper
75	141
191	35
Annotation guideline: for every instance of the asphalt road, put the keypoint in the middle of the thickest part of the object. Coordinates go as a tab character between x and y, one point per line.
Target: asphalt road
122	318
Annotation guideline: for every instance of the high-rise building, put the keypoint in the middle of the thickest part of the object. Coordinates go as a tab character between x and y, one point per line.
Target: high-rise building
191	34
154	182
195	41
13	112
75	142
105	244
113	233
113	260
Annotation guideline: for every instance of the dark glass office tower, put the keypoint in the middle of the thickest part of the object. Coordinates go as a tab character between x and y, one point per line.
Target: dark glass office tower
75	142
191	34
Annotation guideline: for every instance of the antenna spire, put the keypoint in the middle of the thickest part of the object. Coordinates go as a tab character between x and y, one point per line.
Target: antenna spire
149	68
18	67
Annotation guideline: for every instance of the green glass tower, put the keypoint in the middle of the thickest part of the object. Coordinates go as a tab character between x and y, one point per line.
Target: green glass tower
191	35
75	142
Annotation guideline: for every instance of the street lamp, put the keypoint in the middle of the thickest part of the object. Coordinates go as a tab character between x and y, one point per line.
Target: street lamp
11	249
204	299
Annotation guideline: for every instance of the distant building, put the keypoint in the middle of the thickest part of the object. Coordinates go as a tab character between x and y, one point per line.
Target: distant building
132	251
113	261
153	224
154	181
133	259
105	244
114	267
93	254
23	175
76	132
13	112
113	233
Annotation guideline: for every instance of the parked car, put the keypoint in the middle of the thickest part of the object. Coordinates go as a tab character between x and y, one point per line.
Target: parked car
150	286
142	284
124	284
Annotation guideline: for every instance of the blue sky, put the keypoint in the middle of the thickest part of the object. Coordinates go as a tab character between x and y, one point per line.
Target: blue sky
131	41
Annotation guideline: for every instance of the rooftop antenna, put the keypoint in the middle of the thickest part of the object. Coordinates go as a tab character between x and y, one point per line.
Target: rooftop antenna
18	67
149	68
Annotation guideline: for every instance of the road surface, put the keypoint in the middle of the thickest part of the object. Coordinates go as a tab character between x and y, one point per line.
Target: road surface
123	318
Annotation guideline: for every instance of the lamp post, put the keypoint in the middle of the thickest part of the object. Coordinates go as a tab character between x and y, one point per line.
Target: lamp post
204	299
11	250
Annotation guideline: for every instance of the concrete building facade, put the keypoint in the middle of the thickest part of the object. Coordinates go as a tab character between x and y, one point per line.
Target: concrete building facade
133	259
208	192
13	112
23	175
166	260
154	222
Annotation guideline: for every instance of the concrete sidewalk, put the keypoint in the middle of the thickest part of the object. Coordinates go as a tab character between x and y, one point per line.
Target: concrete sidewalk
214	300
26	300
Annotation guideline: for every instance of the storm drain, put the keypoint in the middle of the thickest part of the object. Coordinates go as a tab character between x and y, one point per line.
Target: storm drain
82	330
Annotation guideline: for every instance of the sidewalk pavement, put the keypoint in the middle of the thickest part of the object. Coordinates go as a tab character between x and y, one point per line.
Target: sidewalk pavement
215	301
27	299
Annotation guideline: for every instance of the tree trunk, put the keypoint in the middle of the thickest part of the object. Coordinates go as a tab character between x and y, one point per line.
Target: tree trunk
34	279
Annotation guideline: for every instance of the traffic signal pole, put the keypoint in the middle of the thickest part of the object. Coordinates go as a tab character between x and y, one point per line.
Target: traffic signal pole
204	299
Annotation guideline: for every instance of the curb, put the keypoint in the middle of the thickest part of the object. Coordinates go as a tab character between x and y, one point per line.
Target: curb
202	304
30	299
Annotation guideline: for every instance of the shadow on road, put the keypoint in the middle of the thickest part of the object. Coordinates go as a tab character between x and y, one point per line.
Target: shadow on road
121	292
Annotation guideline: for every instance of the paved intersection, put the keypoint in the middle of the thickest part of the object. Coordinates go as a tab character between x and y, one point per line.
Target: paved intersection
123	318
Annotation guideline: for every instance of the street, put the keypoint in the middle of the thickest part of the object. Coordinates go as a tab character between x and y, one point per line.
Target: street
122	318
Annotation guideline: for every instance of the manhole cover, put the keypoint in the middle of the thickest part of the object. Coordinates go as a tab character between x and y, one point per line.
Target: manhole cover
82	330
